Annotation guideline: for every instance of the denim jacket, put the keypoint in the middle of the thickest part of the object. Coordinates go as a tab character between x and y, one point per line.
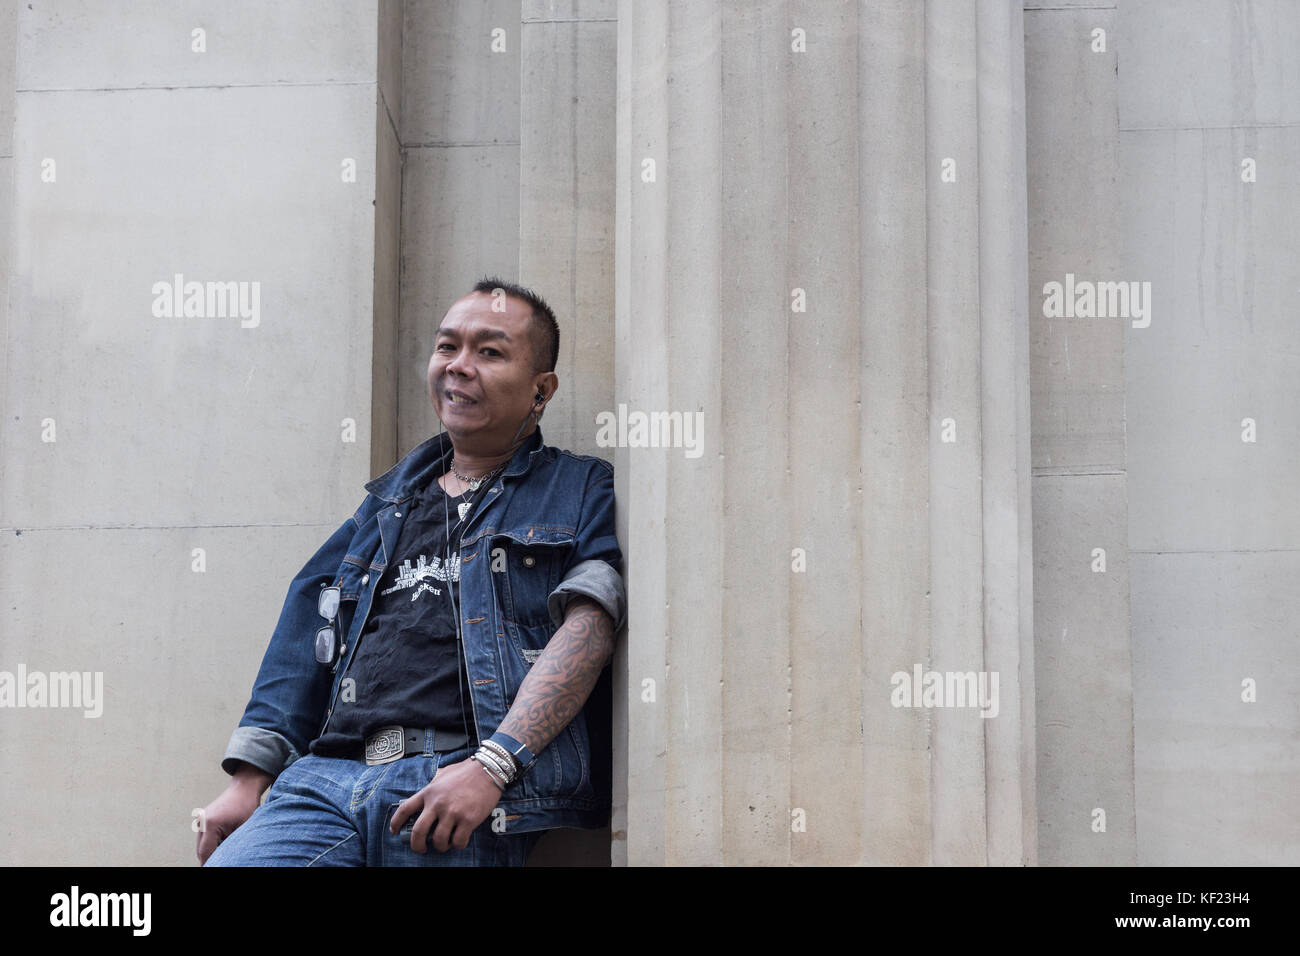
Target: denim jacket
541	534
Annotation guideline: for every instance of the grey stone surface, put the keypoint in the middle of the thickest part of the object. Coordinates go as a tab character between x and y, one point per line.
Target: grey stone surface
173	433
1005	376
460	221
177	650
677	764
192	419
390	25
1216	775
1084	667
895	423
8	52
87	45
1081	619
1202	64
566	208
775	657
388	241
456	91
560	11
1213	523
954	362
6	222
822	514
1074	222
1223	344
460	180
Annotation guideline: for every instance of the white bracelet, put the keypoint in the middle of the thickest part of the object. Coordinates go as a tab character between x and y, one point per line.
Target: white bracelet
510	764
504	763
500	786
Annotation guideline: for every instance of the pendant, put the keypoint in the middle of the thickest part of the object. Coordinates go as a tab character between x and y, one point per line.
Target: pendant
463	508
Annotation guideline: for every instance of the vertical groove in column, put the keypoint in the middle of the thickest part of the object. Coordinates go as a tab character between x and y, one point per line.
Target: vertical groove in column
957	736
825	433
895	565
627	688
755	400
642	374
689	177
1026	686
1003	308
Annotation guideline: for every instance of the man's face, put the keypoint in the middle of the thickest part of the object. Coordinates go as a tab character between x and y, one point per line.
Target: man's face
485	360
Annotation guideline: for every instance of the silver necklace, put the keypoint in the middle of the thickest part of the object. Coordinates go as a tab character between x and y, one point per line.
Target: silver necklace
474	484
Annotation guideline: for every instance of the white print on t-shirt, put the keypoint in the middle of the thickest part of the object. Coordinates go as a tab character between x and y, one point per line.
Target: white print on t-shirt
425	569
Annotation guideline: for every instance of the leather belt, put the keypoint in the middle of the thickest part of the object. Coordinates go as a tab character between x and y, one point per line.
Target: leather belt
393	743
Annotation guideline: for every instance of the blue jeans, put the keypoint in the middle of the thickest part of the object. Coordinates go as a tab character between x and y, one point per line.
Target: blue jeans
329	811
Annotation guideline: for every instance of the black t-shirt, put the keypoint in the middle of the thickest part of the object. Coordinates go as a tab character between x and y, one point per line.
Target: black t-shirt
407	665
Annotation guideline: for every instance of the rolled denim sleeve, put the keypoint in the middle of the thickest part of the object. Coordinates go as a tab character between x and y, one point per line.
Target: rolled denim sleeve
596	563
264	749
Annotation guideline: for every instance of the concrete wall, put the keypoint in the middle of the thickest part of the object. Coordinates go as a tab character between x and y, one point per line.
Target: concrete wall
1213	523
195	462
8	54
914	466
1136	154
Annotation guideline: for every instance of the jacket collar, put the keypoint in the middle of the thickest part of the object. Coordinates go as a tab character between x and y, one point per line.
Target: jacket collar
432	457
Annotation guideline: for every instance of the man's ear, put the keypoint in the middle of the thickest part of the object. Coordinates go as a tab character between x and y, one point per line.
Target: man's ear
546	384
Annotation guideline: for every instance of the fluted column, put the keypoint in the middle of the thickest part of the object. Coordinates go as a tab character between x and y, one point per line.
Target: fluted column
820	257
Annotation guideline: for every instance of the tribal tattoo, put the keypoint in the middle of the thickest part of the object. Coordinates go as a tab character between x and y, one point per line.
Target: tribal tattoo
559	683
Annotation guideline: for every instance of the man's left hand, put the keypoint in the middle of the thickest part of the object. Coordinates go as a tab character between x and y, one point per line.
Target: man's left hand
458	798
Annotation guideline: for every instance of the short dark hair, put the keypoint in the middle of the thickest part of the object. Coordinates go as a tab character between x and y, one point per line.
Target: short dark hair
544	331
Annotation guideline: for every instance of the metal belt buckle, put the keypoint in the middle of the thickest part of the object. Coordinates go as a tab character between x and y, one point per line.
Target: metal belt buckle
385	745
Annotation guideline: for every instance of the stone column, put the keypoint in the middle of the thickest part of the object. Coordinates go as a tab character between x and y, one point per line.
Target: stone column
821	258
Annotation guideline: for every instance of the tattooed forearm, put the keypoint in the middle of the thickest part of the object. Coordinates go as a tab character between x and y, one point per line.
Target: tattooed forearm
562	678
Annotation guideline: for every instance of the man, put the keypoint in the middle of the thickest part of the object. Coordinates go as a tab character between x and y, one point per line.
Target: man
427	696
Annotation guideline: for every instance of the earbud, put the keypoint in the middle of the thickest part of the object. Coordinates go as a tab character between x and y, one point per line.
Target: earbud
538	399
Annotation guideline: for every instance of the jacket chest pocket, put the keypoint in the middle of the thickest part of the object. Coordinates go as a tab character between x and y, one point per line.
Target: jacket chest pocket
349	579
353	580
526	567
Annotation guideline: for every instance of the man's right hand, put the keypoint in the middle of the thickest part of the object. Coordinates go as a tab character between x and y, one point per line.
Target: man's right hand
228	812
